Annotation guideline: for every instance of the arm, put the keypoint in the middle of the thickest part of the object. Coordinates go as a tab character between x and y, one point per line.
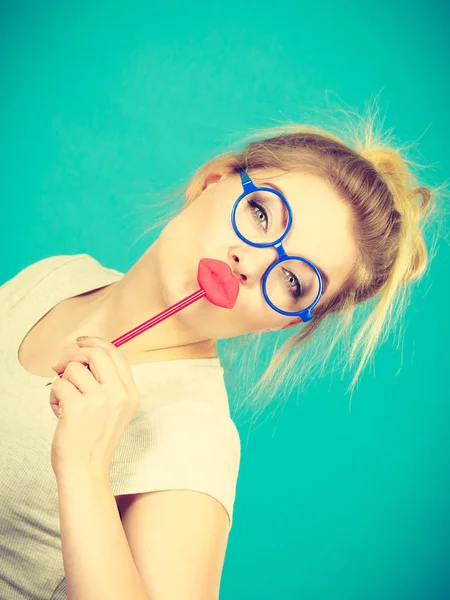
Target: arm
178	539
97	559
170	544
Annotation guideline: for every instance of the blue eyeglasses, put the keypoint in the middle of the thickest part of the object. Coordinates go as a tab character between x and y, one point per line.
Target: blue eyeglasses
256	201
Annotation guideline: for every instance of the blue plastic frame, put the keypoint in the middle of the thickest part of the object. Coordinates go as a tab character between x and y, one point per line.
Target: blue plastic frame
248	186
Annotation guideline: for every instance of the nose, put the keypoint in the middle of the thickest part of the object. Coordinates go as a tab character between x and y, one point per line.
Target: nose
253	265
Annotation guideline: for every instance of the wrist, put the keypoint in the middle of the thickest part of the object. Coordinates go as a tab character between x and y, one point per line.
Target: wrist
81	475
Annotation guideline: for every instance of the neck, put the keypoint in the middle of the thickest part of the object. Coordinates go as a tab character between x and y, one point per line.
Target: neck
112	310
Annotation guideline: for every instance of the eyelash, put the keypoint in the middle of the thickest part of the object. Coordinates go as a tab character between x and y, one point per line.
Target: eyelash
257	206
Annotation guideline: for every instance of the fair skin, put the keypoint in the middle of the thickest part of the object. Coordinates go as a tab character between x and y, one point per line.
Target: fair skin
167	271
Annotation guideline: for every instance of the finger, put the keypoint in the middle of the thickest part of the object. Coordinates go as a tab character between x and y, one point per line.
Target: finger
80	377
97	359
122	365
73	355
60	391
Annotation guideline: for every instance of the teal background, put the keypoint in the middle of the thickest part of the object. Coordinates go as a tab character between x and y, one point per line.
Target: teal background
105	106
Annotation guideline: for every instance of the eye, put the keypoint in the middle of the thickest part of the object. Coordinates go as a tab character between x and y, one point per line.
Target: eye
296	289
259	214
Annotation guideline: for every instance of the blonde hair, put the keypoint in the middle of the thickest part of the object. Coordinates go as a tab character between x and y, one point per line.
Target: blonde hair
390	210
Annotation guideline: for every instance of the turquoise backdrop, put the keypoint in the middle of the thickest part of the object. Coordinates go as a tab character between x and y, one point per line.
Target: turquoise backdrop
106	105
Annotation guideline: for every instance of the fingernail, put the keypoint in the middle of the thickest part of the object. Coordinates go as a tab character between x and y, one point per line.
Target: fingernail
82	337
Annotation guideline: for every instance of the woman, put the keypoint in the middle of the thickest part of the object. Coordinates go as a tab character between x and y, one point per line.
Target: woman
152	416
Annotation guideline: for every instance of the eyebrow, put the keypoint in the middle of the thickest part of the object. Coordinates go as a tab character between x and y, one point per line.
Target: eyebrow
326	279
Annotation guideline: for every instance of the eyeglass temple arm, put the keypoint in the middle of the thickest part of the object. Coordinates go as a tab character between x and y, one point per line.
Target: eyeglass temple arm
246	181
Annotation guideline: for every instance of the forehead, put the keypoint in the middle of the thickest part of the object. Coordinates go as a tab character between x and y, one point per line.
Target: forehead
321	226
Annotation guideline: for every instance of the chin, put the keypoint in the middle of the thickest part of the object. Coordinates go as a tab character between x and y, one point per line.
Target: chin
177	289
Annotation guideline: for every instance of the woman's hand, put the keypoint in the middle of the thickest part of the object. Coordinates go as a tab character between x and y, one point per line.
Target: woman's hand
94	406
